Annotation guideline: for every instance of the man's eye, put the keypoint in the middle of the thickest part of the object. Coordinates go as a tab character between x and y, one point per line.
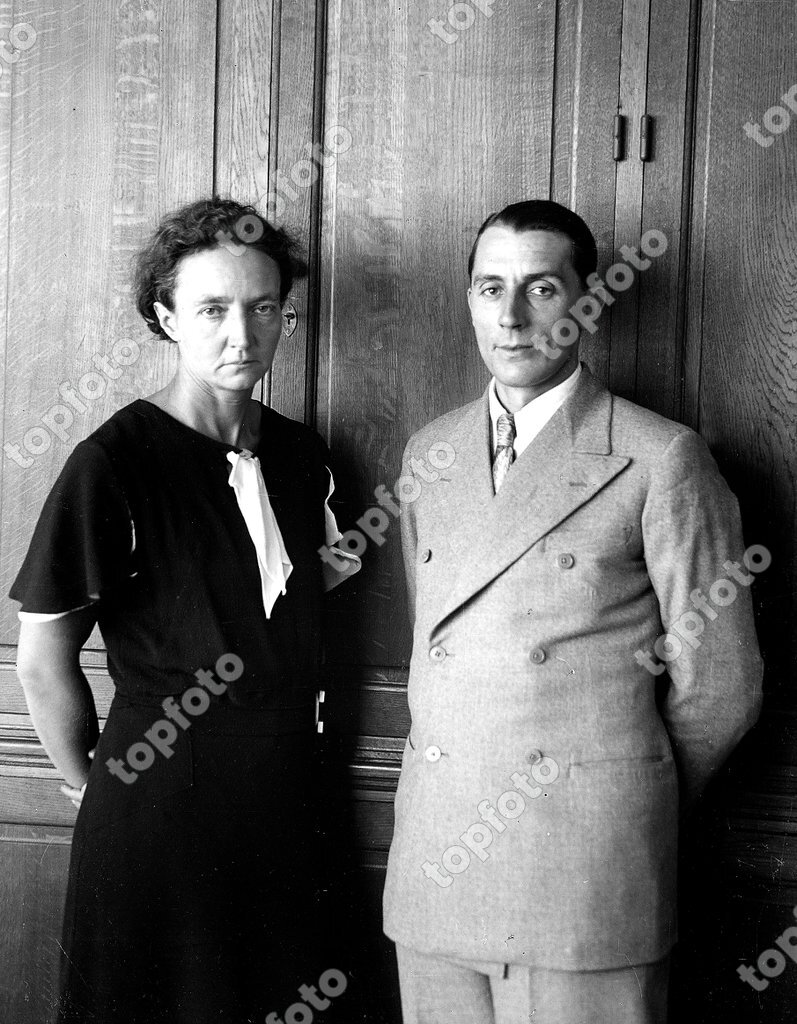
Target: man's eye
266	309
491	290
543	290
210	312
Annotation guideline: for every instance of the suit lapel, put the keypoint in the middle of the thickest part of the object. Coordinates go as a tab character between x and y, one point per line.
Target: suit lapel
469	493
568	462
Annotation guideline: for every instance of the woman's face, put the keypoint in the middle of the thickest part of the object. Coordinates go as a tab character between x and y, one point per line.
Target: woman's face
227	317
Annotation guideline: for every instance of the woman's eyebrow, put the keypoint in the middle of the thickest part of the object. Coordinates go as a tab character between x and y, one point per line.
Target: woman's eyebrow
205	300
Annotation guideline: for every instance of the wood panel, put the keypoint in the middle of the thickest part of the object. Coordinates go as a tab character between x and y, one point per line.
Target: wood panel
33	866
742	329
107	123
740	876
442	133
588	51
665	207
245	49
92	167
632	104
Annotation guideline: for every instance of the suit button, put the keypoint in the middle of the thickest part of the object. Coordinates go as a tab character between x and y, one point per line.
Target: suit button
534	756
426	554
538	655
433	753
437	653
566	561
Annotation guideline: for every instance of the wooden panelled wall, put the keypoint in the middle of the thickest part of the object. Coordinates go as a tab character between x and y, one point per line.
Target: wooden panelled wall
121	110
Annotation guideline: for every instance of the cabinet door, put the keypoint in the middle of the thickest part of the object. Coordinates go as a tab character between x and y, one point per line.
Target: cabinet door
86	169
447	116
627	60
740	870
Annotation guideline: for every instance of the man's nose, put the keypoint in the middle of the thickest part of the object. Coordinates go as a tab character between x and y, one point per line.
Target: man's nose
514	312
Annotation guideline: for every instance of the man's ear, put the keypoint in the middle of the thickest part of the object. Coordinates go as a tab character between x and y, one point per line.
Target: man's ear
166	319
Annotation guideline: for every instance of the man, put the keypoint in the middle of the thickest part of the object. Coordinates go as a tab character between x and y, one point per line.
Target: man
532	871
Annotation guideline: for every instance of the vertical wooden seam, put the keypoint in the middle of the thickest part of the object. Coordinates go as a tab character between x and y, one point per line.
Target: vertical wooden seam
618	95
552	134
314	242
578	64
697	250
687	201
642	204
214	184
7	243
273	131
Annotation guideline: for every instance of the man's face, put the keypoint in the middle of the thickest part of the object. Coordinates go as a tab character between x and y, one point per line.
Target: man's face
522	283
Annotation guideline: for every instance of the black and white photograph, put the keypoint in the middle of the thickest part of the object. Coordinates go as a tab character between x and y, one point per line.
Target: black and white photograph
398	512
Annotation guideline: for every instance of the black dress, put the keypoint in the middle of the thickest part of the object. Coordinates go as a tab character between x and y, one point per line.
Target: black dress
191	893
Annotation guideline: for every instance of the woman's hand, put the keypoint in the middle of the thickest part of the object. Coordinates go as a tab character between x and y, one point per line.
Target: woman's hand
58	695
74	794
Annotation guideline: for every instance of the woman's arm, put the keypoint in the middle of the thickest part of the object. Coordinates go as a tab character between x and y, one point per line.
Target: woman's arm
59	699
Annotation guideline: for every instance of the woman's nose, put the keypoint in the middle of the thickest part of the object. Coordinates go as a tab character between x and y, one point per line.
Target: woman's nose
239	331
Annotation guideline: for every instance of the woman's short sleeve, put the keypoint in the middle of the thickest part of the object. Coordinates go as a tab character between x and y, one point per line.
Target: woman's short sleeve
83	543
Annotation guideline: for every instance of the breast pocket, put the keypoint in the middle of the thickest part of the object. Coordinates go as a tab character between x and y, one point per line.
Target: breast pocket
590	564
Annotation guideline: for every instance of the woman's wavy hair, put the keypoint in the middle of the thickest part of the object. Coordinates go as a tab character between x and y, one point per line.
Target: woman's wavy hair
206	224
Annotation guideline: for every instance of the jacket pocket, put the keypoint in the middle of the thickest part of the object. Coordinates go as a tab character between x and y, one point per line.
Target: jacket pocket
618	763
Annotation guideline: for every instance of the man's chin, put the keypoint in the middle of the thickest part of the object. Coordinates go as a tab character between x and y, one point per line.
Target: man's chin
532	375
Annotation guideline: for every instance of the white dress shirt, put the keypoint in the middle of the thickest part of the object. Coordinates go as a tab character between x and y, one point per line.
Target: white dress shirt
530	420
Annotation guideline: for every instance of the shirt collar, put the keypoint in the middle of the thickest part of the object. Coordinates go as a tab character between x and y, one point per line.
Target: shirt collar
530	420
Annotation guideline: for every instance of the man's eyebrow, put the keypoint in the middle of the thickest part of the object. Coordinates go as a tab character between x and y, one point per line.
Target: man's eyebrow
482	278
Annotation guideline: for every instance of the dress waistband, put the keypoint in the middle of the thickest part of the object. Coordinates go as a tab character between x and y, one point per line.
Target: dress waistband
220	715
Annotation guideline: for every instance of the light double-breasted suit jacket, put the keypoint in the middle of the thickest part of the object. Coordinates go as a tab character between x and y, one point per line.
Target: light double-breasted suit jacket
537	809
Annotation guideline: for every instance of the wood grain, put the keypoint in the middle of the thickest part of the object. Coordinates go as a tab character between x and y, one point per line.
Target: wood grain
442	134
92	167
33	863
740	388
665	204
632	104
588	51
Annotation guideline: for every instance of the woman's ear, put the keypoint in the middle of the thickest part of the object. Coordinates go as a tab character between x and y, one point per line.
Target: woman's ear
167	320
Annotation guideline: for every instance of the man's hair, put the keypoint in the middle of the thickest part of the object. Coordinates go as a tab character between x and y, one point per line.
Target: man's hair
544	215
199	226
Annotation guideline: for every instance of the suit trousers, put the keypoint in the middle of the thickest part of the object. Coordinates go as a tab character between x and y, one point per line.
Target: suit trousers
441	991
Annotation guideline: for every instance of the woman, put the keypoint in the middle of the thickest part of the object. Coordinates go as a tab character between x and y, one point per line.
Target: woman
188	526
